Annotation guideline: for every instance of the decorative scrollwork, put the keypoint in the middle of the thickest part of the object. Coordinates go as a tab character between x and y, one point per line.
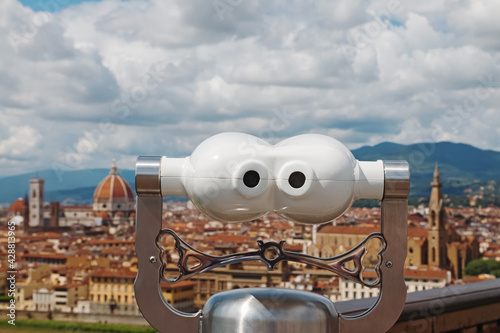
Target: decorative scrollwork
193	262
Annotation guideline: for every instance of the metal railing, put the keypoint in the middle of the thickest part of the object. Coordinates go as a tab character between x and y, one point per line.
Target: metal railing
460	308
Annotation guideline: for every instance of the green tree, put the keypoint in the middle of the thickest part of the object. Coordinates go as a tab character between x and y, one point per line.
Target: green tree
480	266
496	272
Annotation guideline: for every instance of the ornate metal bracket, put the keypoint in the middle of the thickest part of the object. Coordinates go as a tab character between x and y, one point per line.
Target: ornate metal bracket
193	262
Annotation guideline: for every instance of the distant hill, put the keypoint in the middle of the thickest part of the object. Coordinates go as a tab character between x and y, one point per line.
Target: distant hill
73	187
461	166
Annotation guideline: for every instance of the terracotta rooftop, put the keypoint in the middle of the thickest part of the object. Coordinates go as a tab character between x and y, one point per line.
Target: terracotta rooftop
293	247
17	206
237	239
416	218
355	230
42	235
111	241
45	256
115	274
115	252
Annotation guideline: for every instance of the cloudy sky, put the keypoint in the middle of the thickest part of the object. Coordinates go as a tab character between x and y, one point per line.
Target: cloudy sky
82	82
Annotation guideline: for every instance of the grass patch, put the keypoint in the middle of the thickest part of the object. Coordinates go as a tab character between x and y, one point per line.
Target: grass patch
5	298
77	327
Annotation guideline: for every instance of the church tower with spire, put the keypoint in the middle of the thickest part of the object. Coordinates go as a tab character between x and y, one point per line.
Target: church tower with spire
437	226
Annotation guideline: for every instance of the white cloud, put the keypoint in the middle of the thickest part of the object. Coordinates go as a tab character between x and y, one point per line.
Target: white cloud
477	22
158	77
21	142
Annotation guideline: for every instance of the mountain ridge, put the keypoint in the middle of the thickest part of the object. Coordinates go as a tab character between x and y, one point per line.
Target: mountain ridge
460	166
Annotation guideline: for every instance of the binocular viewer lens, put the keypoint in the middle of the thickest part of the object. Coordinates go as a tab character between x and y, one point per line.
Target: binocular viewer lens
297	179
251	178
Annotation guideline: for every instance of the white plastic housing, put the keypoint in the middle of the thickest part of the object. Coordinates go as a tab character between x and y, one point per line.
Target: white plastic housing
327	178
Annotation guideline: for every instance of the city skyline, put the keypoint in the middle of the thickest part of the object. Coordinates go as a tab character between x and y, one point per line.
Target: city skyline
88	269
112	78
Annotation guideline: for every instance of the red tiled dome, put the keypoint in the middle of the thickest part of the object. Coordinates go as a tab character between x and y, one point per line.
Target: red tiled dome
17	206
113	186
103	215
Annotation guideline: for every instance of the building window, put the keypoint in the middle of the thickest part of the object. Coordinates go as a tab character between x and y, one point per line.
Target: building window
433	254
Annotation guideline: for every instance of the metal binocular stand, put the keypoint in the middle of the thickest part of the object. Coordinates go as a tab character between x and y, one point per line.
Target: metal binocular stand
235	177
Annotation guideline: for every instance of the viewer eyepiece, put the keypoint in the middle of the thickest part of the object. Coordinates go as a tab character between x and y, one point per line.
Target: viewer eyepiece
297	179
251	178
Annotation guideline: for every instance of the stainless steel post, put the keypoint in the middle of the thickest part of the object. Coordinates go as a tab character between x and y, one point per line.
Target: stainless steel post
161	315
394	224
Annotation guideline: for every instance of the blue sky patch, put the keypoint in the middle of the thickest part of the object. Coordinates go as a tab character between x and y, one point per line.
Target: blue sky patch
52	5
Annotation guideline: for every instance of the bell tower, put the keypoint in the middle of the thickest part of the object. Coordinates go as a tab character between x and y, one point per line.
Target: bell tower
37	200
26	213
437	221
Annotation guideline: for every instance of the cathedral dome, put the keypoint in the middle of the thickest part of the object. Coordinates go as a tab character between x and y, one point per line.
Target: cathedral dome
113	195
103	215
113	186
17	206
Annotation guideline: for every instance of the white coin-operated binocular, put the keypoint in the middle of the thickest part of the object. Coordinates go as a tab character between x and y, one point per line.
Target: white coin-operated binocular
234	177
